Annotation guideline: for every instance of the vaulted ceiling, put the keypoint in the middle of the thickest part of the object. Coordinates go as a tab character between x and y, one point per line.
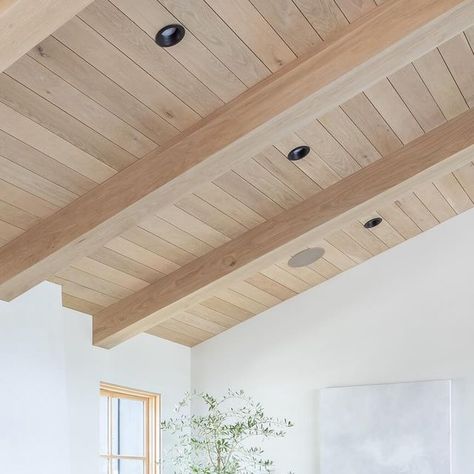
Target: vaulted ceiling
153	183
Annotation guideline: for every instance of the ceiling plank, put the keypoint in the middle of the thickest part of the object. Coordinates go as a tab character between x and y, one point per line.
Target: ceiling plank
24	23
313	85
447	147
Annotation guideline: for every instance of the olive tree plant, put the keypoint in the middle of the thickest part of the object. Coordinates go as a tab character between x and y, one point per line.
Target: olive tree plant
224	437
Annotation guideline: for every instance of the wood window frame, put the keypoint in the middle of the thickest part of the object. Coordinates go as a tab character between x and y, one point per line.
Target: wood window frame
152	408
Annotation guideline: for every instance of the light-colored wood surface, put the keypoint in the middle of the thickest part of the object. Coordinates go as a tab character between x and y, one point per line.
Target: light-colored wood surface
355	245
57	105
313	85
442	150
24	23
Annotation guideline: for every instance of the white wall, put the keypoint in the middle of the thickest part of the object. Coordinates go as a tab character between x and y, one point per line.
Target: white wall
406	315
33	401
49	382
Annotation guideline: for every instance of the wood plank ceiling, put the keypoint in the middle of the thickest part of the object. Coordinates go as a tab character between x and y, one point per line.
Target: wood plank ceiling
99	94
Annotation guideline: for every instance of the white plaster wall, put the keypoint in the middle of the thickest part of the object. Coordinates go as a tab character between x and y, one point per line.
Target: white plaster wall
406	315
49	383
33	398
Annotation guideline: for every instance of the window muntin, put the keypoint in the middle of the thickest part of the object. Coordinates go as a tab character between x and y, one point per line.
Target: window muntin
128	431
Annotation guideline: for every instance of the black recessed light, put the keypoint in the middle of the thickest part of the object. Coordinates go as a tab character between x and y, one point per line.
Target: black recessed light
170	35
371	223
299	153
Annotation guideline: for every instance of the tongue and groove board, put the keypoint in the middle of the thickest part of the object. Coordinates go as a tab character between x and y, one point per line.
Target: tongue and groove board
98	95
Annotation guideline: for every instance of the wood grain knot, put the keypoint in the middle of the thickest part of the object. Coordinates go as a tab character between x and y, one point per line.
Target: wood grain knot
230	261
41	51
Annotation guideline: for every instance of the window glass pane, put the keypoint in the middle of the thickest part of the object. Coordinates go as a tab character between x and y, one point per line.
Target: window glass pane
103	425
128	427
115	425
104	466
128	466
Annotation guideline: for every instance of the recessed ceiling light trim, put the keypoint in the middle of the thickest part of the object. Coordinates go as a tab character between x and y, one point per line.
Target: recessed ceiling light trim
170	35
306	257
371	223
299	153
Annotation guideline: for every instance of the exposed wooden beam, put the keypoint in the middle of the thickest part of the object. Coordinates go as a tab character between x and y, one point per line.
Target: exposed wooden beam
445	148
377	45
24	23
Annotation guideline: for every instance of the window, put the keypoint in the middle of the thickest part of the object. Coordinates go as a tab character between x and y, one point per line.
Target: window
129	440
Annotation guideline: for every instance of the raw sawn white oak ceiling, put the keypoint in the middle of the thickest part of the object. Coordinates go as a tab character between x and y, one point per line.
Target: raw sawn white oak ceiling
97	97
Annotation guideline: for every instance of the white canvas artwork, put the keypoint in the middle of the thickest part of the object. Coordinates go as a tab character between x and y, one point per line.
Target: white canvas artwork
386	429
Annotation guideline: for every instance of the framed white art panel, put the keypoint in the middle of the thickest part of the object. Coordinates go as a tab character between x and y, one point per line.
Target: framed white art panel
386	429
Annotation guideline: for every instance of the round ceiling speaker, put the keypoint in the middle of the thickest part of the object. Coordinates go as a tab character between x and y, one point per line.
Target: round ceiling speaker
306	257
